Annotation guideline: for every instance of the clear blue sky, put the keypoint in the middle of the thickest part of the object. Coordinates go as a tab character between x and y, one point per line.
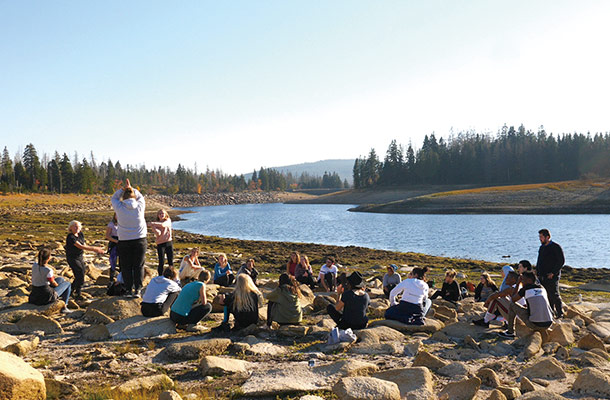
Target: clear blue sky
241	84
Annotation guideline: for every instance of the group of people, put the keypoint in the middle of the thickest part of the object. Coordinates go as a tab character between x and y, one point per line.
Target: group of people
183	292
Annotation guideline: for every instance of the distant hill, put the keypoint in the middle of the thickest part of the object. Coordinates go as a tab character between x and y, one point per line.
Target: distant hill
342	167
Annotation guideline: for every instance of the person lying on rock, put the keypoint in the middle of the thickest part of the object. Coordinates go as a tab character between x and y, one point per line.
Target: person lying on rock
283	303
160	294
450	290
537	314
184	312
304	273
414	302
327	277
243	303
189	267
223	275
249	269
390	280
75	247
485	288
350	310
46	288
498	303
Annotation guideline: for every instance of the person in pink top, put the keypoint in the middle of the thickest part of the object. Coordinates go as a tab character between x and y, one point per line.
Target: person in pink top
162	229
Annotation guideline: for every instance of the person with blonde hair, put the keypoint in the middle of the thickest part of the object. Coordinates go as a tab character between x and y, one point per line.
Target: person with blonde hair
291	265
304	273
190	267
75	248
223	275
450	291
162	228
485	288
243	303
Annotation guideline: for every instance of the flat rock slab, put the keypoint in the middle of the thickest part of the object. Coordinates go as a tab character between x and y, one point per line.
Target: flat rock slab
7	340
140	327
601	329
266	349
18	380
364	387
35	322
193	349
415	383
601	285
429	326
462	329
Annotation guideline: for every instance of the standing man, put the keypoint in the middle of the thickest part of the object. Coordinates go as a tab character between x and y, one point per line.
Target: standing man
129	206
548	267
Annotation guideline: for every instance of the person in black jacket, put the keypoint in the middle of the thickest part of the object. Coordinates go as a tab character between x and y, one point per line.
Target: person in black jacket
450	290
548	268
485	288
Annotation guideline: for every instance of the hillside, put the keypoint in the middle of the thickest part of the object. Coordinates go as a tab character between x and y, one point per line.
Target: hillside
568	197
317	168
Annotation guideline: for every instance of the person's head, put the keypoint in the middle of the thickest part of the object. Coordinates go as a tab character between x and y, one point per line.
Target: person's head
342	279
511	278
304	260
355	281
162	215
419	273
244	286
486	279
128	193
392	268
330	260
75	227
289	282
114	219
44	255
222	259
523	266
450	275
544	235
295	257
204	276
170	273
250	263
528	277
194	253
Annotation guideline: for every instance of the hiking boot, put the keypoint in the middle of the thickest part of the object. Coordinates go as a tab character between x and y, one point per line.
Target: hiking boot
481	322
223	327
507	334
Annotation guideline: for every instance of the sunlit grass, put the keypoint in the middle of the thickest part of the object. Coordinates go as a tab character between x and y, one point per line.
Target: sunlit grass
564	185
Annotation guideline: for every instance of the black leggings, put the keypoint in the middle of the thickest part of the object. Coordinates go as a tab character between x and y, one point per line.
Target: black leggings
195	315
132	255
77	265
341	323
225	280
162	250
158	309
307	280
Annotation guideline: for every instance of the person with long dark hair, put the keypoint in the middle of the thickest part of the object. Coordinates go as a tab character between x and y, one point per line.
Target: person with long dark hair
414	303
46	287
350	310
75	248
283	303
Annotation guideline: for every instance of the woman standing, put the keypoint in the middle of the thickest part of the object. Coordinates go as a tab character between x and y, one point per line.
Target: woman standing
75	247
162	228
223	275
45	287
129	206
112	237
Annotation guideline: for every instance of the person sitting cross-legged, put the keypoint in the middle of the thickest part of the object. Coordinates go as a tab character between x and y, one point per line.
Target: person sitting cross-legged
350	310
414	303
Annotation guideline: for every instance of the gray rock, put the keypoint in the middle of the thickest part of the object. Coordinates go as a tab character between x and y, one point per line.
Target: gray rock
139	327
463	390
430	325
33	322
425	359
18	380
592	381
377	348
212	365
364	387
94	316
379	334
23	347
414	383
460	330
489	377
411	349
533	345
601	329
561	333
591	359
169	395
454	370
541	395
145	383
7	340
96	333
545	368
590	341
510	393
117	307
193	349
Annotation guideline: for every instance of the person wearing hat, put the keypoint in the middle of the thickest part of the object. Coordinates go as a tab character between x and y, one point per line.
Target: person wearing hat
390	280
350	310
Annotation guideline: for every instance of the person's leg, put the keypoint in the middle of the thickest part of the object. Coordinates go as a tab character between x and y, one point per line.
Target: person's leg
151	310
169	251
113	259
161	257
63	289
329	280
168	302
552	292
177	318
222	280
334	314
435	295
270	306
198	313
125	251
140	253
516	310
77	265
230	279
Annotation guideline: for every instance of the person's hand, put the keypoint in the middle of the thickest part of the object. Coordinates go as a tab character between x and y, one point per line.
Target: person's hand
550	276
99	250
489	300
127	183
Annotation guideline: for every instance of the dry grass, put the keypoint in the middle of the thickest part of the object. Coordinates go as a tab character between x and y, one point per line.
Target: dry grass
565	185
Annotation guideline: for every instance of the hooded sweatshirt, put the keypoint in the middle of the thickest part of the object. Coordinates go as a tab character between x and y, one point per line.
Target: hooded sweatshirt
158	289
130	214
414	291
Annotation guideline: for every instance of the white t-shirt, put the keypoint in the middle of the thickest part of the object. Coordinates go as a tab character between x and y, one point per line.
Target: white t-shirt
325	269
158	289
41	275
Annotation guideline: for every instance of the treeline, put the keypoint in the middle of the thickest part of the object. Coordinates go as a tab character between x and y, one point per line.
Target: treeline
28	172
513	156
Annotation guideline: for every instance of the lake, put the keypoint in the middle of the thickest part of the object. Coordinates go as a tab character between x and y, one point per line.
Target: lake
584	238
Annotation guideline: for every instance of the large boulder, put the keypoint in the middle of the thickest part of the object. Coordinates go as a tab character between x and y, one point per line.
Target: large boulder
545	368
117	307
463	390
365	387
23	347
193	349
34	322
592	381
489	377
96	333
94	316
533	345
561	333
145	384
7	340
414	383
18	380
590	341
430	325
212	365
139	327
601	329
428	360
379	334
454	370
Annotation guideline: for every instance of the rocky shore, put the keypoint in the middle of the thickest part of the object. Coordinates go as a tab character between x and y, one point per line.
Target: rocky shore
107	350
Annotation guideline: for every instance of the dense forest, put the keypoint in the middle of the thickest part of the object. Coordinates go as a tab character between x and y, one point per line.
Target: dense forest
29	172
513	156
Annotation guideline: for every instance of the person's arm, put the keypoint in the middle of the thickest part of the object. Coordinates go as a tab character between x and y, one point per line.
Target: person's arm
288	267
184	266
398	289
109	236
560	260
340	304
85	247
116	198
202	295
518	294
506	292
274	295
51	279
477	292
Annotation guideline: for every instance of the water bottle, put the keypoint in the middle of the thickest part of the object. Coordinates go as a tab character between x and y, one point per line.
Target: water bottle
311	363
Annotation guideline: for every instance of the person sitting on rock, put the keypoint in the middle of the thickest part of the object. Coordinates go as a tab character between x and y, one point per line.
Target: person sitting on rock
184	312
327	277
304	273
485	288
75	247
350	310
390	280
450	290
243	303
249	269
190	267
291	265
537	315
283	303
160	294
46	288
223	275
414	302
498	303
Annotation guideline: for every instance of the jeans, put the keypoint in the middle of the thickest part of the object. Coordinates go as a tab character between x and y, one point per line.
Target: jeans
77	265
195	315
114	255
132	254
552	291
63	289
163	249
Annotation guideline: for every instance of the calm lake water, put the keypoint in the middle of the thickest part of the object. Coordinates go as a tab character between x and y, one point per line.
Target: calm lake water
584	238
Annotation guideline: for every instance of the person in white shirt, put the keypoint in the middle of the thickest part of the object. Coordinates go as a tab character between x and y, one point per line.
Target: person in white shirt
190	268
160	294
328	275
414	303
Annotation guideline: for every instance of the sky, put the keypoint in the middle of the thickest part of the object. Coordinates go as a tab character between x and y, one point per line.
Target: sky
236	85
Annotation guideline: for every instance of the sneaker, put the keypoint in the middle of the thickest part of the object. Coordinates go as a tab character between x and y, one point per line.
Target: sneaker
481	322
223	327
196	328
66	310
507	334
